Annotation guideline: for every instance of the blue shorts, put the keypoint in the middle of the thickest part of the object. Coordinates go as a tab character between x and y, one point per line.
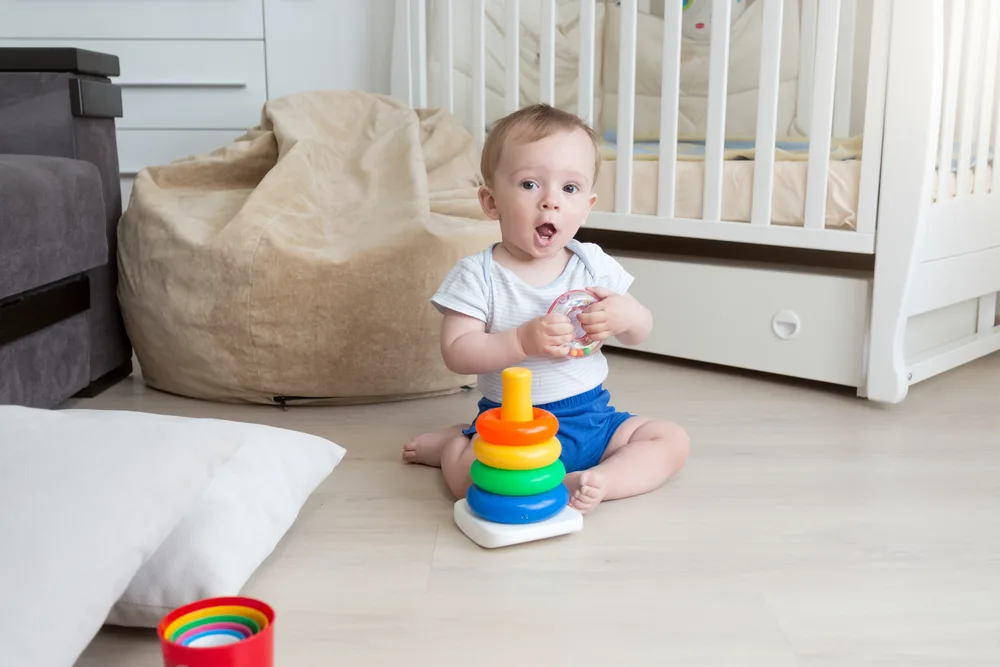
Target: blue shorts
586	424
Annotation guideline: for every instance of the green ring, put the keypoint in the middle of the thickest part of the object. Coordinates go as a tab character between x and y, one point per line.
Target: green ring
517	482
242	620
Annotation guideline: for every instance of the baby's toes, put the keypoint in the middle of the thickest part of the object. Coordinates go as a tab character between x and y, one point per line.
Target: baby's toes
409	451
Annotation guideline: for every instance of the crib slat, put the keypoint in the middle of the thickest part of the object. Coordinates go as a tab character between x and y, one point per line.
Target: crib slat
871	160
950	109
547	93
767	112
669	108
408	15
512	58
479	71
715	129
807	58
447	63
971	86
821	124
988	100
585	97
421	54
845	69
995	186
626	105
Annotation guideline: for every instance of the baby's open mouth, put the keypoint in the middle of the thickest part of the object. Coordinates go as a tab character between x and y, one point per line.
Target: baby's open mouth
546	231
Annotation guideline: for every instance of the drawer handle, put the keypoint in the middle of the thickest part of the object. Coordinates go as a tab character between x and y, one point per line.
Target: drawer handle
786	324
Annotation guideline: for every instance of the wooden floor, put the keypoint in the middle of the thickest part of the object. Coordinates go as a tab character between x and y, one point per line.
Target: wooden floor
809	528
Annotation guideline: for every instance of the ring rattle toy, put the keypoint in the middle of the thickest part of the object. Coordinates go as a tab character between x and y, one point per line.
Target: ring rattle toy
571	304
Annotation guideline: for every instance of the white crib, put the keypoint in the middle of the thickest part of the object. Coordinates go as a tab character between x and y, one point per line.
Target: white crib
745	120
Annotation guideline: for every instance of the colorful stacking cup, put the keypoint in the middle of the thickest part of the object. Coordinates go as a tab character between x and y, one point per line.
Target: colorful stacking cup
218	632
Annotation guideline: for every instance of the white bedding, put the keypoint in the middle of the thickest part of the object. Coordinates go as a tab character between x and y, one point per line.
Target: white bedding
741	101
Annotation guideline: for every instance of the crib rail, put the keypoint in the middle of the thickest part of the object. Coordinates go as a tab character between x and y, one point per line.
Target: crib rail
502	76
961	230
938	234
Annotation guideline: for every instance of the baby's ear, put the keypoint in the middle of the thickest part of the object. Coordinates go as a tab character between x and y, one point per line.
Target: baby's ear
489	203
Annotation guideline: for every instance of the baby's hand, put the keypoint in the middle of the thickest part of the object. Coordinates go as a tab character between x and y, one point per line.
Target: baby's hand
612	315
546	336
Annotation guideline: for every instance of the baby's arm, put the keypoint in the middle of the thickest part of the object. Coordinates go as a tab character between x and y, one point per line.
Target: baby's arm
468	350
638	325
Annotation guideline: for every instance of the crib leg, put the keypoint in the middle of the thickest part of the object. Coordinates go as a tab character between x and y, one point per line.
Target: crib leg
910	140
887	380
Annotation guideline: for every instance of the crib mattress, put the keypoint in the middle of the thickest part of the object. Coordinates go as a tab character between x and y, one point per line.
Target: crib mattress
788	200
791	170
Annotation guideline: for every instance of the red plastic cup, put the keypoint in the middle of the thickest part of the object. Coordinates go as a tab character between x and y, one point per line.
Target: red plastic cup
254	651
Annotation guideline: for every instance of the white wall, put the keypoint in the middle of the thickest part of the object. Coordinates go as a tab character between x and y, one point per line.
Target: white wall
328	44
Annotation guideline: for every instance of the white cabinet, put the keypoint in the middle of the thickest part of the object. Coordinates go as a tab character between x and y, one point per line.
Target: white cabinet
195	74
132	19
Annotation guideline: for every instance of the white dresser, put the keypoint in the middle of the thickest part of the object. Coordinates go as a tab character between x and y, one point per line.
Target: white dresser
195	73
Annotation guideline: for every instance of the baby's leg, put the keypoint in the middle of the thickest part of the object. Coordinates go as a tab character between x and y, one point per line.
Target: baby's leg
642	455
448	449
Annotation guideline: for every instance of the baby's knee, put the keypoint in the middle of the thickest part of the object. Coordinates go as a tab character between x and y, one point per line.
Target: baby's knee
675	440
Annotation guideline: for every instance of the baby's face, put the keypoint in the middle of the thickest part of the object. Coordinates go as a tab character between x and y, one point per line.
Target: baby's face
542	192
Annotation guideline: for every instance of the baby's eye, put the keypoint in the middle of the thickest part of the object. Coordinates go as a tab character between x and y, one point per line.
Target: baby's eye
571	188
528	185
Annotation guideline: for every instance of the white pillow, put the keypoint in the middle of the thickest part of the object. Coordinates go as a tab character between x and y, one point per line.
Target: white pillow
89	496
239	519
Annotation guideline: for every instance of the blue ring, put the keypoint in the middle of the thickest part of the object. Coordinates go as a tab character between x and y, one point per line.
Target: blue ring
223	631
517	509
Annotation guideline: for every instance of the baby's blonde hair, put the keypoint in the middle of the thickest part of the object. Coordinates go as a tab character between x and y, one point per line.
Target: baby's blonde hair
532	123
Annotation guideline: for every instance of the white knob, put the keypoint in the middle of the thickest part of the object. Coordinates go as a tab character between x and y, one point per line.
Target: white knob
786	324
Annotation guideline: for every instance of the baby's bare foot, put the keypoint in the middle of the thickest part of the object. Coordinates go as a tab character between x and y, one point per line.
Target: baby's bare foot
426	449
586	490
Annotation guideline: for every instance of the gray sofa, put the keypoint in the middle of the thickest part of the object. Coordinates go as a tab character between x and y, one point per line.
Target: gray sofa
61	332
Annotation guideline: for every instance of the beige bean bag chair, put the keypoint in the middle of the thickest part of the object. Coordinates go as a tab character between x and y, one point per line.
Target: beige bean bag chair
295	265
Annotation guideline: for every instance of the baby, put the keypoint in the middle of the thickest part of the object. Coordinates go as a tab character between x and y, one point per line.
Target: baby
539	165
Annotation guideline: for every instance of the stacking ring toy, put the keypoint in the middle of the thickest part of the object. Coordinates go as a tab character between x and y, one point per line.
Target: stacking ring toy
571	304
492	427
517	509
526	457
517	482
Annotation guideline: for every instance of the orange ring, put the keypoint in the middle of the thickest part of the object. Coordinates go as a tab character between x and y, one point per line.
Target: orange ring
492	428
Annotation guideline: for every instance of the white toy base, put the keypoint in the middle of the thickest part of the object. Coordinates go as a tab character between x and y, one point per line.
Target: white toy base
491	535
